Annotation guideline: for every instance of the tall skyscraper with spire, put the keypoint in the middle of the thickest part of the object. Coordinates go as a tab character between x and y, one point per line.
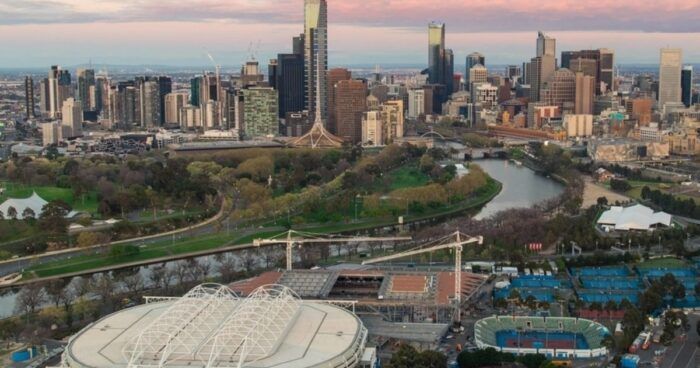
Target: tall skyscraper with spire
316	56
436	53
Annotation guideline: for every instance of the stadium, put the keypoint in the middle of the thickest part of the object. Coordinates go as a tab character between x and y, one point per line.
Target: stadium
561	338
213	327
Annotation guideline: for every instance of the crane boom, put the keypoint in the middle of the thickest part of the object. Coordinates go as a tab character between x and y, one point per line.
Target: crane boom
457	245
290	240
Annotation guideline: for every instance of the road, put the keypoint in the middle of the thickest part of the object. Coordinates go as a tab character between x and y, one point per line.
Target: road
20	264
682	354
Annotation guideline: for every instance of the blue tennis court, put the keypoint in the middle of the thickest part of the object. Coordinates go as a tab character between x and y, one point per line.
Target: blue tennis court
660	272
601	296
602	271
538	282
541	340
611	283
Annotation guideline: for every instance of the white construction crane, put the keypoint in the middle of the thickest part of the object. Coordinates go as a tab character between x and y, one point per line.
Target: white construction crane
292	237
456	242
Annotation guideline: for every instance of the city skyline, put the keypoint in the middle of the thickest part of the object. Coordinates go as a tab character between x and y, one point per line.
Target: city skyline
72	32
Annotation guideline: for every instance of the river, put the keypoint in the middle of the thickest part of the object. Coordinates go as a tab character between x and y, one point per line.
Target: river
522	187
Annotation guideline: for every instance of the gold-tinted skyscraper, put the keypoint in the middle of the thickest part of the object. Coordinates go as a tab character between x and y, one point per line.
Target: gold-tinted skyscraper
670	76
316	55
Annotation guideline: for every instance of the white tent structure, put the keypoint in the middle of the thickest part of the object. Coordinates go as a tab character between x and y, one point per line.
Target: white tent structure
33	203
634	218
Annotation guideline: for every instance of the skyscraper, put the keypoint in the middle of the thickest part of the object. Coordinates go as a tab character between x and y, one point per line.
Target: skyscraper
86	80
59	83
600	60
290	83
541	69
333	77
546	46
29	97
670	76
542	66
585	94
473	60
687	85
316	55
448	78
260	118
560	90
72	117
350	104
436	53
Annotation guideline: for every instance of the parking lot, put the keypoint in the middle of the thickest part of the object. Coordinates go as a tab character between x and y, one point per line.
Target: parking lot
682	354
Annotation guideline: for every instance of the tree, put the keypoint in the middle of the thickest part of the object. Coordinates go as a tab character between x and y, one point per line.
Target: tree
30	298
87	239
12	213
53	217
602	201
28	213
408	357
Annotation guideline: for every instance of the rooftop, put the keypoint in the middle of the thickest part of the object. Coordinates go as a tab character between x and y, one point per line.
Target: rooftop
211	327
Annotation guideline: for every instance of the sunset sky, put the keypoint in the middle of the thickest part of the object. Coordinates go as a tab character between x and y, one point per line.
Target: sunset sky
41	32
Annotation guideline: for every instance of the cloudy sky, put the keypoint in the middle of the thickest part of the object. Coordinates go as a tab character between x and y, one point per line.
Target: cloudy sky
37	33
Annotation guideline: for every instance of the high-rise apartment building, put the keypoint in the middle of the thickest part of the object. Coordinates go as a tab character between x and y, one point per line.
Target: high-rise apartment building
260	117
29	97
51	133
86	82
416	103
316	55
393	117
687	85
670	76
72	118
59	89
350	104
149	103
174	104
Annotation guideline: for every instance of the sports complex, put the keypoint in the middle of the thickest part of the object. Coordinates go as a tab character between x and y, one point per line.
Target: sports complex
555	337
212	327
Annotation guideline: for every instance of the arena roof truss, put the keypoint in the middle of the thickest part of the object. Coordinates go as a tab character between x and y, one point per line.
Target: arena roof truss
191	329
257	327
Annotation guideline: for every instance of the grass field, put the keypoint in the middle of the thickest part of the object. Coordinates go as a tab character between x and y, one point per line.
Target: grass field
663	263
407	177
48	193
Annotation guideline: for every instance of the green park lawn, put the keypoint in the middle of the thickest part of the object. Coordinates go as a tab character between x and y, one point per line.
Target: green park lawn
87	204
168	248
407	177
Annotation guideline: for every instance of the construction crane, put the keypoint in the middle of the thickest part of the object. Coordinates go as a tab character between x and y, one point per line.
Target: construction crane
292	237
456	242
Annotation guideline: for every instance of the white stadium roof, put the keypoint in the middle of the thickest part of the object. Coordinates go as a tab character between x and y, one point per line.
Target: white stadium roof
212	327
636	217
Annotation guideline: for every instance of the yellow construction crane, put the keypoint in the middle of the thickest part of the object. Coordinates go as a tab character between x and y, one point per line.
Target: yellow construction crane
455	241
292	237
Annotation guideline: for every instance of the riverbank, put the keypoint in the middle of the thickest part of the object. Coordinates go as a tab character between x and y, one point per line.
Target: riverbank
238	239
